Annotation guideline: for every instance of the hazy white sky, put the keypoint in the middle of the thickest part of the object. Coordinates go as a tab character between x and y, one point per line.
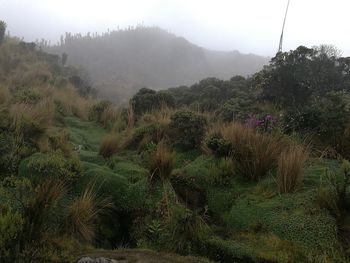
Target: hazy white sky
251	26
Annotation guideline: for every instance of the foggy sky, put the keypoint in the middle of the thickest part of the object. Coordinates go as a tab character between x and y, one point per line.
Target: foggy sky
250	26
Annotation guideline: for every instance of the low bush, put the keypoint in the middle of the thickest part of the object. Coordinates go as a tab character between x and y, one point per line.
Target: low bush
186	228
53	165
11	224
337	189
145	134
223	171
147	100
187	129
325	117
219	146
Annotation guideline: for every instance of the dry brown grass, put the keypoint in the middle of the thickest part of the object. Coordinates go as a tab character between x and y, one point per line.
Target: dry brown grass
256	153
111	144
30	75
111	115
162	163
72	103
114	142
162	117
29	119
83	213
291	165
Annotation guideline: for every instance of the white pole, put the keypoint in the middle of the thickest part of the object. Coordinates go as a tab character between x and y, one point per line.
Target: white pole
284	23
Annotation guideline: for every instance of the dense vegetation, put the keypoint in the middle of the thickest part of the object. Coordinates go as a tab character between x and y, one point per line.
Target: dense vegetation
122	61
242	170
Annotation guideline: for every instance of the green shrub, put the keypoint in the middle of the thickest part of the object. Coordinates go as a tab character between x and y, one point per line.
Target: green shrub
146	100
338	185
187	129
222	172
186	228
219	146
54	165
236	109
11	224
148	132
326	117
125	195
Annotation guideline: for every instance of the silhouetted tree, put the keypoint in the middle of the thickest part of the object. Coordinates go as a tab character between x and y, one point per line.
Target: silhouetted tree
2	31
292	78
64	58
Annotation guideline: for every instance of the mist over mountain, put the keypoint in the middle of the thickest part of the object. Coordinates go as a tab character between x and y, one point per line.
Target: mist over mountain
120	62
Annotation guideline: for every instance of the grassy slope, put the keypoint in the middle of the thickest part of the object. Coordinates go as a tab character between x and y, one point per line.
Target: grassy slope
126	175
265	224
251	219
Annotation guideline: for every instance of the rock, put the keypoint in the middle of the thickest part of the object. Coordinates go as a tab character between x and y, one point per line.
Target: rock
86	260
100	260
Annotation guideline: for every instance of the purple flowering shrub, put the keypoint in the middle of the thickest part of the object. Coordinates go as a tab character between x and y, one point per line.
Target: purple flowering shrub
266	123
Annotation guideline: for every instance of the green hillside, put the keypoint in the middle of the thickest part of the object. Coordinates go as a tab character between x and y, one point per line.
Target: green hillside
248	169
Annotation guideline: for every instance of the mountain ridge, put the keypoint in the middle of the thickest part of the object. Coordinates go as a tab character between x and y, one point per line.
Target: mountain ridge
120	62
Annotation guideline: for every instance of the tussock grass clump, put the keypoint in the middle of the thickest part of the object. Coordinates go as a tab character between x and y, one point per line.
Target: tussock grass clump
31	120
83	213
110	115
256	153
162	163
291	165
110	145
161	117
68	102
39	207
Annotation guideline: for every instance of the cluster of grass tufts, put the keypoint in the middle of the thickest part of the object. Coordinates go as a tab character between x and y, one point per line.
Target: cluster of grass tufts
84	211
256	153
110	145
291	165
162	163
46	216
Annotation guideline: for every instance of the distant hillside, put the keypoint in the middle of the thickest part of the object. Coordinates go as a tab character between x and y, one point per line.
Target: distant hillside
120	62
